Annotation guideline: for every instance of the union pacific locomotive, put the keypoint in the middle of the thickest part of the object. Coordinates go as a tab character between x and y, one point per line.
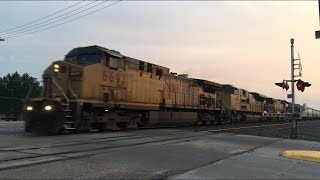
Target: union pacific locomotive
98	88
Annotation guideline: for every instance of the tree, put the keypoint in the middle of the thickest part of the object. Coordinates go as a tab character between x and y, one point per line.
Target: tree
13	91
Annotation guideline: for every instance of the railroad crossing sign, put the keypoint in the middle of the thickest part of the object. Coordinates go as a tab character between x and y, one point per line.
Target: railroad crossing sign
289	96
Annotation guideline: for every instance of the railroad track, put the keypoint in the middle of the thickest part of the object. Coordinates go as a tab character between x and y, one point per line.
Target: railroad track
40	154
280	130
250	127
210	128
113	141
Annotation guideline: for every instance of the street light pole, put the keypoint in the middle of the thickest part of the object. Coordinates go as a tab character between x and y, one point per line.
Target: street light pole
294	129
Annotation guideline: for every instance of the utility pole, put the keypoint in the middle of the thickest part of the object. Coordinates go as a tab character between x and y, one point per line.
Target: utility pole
294	129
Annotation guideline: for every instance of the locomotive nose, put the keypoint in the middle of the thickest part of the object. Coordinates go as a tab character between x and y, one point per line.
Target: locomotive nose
57	79
43	117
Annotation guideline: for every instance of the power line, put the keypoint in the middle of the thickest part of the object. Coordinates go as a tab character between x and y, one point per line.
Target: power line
45	23
65	21
42	17
36	26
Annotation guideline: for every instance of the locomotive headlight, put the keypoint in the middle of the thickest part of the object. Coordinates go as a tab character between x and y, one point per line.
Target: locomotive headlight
56	66
48	108
29	108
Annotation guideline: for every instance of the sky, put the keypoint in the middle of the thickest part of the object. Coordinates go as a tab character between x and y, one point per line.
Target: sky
243	43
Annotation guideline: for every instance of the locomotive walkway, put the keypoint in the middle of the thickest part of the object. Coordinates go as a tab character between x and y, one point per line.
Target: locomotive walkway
151	154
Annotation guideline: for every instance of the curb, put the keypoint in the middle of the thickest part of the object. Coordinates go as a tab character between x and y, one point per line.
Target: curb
303	155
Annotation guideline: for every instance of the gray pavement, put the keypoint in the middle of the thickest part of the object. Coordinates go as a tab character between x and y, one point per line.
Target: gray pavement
149	154
262	163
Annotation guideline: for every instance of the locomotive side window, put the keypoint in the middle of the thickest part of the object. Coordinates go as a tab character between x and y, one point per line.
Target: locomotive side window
149	67
112	63
141	65
116	63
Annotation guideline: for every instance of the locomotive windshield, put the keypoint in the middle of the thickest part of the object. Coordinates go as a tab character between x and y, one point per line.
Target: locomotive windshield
89	58
90	54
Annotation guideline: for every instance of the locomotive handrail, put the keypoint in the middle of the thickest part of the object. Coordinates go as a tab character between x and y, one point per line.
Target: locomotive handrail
74	94
221	102
54	80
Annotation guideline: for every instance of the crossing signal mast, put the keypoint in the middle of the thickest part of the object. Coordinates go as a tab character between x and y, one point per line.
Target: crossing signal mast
301	85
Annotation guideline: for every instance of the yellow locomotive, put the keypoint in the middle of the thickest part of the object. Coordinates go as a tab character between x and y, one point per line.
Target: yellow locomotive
98	88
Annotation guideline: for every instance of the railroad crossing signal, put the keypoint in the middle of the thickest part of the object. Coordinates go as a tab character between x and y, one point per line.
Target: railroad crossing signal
283	84
301	85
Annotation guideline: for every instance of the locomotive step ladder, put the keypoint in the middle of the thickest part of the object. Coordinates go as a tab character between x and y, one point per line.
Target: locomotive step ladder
68	121
225	112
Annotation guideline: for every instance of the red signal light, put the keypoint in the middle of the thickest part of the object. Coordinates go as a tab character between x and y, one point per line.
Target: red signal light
299	86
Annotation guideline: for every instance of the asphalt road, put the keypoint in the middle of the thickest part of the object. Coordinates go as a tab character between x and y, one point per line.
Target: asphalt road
136	154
